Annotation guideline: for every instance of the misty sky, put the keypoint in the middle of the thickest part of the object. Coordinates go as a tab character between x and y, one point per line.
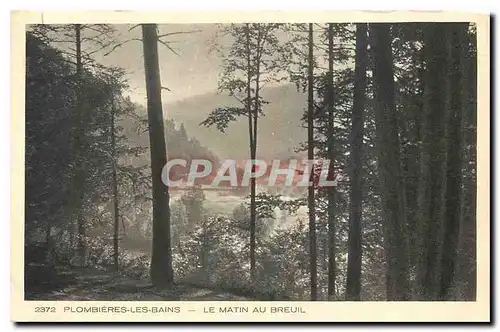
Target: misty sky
194	71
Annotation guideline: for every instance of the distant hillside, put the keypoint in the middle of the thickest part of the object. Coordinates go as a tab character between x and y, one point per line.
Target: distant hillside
280	130
180	143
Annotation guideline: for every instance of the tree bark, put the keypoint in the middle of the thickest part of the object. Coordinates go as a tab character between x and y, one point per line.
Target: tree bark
457	49
467	263
330	94
310	156
433	162
161	259
392	184
353	288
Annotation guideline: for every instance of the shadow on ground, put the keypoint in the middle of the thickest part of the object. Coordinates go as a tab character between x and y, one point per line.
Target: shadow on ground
86	284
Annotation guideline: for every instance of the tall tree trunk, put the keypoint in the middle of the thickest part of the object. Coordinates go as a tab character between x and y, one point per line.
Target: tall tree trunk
252	123
353	288
78	151
392	184
116	215
330	95
465	283
161	259
310	156
457	49
468	228
412	115
433	162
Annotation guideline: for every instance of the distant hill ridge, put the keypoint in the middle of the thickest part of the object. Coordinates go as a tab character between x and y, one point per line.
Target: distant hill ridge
280	131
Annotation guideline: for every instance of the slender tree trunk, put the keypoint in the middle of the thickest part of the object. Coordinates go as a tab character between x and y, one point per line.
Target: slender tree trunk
78	152
48	231
204	256
161	259
453	201
253	217
392	182
116	215
49	242
252	124
353	288
433	162
310	156
330	95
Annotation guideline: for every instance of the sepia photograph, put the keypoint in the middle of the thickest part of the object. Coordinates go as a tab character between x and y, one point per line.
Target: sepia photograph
260	161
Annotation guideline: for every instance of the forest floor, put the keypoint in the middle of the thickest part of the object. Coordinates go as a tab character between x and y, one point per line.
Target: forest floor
88	284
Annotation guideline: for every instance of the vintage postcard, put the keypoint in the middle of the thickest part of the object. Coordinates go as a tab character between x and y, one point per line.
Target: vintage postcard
250	167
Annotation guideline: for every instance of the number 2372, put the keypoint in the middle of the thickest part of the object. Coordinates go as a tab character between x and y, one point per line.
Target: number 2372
45	309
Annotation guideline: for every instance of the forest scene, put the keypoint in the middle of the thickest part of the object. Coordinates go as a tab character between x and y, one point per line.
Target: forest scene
391	106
